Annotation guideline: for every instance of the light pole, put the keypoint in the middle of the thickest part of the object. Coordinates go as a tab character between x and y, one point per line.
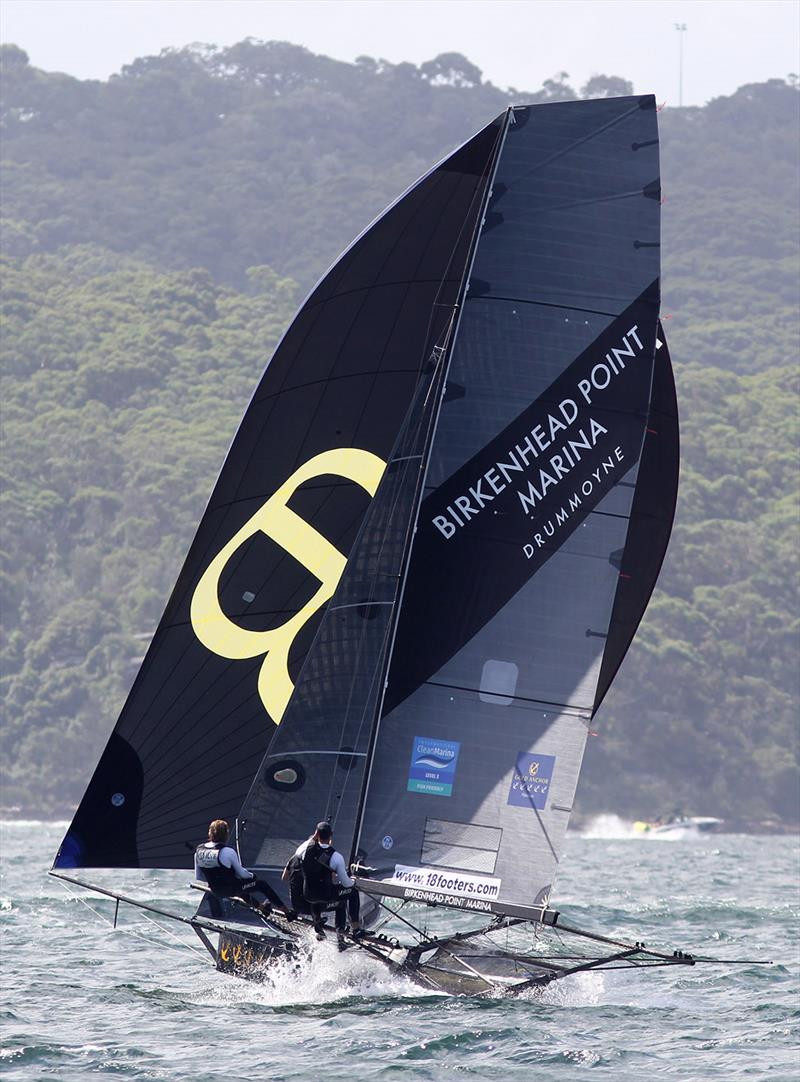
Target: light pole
681	28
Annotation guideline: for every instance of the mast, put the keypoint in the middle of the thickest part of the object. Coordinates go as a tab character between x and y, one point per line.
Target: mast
423	473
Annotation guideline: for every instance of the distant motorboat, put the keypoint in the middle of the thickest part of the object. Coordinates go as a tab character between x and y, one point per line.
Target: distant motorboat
682	824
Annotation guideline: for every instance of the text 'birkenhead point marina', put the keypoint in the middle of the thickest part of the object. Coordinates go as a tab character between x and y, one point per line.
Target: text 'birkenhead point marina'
519	458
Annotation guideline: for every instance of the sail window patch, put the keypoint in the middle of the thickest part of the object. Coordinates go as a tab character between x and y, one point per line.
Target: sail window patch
287	775
498	682
466	846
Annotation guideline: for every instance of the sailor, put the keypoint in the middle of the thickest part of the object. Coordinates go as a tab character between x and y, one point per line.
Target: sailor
325	882
218	864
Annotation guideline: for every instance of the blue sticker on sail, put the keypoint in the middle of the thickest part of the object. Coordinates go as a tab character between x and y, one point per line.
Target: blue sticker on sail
433	766
530	782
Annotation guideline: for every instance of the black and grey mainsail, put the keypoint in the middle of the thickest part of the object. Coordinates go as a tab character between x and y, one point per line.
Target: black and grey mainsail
433	538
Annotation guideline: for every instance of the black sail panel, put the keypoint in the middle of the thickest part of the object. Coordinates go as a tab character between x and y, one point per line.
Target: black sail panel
511	583
300	474
651	518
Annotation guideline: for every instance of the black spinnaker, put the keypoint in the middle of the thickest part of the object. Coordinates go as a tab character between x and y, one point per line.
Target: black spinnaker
299	475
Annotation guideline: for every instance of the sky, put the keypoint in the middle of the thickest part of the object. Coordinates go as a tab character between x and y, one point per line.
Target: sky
515	42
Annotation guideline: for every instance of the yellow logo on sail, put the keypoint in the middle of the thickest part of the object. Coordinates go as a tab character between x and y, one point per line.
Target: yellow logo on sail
275	519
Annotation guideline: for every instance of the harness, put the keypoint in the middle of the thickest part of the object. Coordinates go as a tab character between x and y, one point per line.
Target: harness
222	880
317	875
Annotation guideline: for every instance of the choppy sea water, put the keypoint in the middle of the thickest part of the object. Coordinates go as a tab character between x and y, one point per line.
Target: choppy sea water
82	1000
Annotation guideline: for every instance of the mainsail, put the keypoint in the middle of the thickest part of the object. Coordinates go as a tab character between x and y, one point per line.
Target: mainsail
524	531
433	538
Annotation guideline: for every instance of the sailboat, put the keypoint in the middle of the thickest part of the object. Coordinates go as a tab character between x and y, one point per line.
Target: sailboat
433	538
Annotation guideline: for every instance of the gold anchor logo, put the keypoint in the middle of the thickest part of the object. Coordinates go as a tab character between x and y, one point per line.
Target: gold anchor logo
275	519
533	770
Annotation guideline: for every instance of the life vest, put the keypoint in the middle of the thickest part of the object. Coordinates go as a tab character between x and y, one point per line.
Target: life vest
297	885
317	875
222	880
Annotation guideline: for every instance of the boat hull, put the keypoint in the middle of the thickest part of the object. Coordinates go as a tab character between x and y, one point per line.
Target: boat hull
249	958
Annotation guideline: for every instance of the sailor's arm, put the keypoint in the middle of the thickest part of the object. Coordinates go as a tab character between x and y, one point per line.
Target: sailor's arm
229	858
337	865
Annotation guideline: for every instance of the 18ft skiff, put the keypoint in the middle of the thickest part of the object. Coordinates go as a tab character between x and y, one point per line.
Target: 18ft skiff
427	553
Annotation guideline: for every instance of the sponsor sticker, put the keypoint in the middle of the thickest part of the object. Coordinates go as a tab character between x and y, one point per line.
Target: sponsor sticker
433	766
453	884
530	782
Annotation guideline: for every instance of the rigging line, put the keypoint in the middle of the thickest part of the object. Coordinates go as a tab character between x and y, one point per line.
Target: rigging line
127	931
439	280
356	605
396	914
575	144
172	935
540	209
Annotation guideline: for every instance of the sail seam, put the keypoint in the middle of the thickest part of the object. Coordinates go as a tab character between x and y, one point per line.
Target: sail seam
546	304
578	142
520	698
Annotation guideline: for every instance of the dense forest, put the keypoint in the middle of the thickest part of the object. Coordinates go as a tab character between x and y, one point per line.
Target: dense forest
159	230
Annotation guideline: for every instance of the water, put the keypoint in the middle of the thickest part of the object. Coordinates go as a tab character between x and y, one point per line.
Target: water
82	1000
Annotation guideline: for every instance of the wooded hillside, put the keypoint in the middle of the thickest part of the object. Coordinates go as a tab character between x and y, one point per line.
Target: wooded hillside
160	229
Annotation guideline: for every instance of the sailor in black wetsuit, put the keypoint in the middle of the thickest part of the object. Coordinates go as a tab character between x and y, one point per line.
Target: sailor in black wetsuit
218	865
326	884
